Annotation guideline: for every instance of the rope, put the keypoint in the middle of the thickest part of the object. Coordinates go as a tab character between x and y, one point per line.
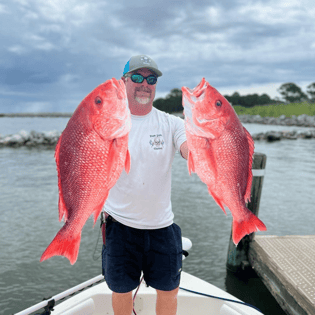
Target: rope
134	297
98	238
221	298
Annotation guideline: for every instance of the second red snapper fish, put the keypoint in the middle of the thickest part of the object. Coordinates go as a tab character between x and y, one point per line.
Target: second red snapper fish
90	156
220	152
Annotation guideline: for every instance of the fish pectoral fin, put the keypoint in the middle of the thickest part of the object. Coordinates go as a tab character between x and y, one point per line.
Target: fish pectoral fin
217	200
190	163
113	154
63	211
127	162
99	208
250	162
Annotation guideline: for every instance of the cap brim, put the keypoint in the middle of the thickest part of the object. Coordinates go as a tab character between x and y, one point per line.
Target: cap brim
156	71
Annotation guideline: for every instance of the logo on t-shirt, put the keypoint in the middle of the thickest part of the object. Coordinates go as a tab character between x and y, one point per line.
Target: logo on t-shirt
157	142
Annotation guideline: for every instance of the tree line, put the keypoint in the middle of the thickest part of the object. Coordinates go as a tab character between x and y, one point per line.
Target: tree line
290	92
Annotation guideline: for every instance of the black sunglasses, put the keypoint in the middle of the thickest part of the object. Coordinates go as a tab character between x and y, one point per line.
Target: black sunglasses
139	78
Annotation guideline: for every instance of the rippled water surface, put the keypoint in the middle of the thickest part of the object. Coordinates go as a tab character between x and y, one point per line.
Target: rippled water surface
29	215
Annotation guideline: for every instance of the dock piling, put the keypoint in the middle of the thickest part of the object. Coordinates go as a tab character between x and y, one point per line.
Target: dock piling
237	259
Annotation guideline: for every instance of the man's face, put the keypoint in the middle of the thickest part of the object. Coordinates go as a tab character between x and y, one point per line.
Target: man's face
142	93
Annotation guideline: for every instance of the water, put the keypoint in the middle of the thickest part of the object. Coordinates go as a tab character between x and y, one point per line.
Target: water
12	125
29	218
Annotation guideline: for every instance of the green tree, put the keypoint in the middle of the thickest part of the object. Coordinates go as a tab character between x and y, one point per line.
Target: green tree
311	92
265	99
174	93
171	103
292	93
234	99
160	104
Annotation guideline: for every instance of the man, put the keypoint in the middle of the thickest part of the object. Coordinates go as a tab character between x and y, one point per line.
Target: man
140	233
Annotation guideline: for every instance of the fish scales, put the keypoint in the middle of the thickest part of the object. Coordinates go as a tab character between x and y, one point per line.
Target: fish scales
221	152
90	156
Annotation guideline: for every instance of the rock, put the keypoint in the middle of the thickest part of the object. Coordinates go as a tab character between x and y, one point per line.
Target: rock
257	119
271	121
258	136
52	136
306	135
310	121
273	136
25	135
13	140
301	120
289	135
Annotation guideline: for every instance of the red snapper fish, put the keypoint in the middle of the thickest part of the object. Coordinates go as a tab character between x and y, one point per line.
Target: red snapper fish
220	152
90	156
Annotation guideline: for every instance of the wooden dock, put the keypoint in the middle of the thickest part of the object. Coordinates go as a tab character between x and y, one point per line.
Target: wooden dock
286	265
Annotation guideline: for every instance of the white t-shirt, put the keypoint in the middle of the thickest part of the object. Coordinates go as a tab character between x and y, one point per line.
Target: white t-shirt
142	198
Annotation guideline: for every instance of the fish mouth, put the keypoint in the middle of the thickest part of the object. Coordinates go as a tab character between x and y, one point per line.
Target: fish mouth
204	121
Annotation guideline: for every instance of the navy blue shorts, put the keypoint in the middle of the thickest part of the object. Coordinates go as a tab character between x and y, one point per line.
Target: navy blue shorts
128	251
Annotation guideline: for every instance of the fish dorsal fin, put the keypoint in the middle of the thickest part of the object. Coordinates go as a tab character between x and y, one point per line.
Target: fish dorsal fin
63	212
250	162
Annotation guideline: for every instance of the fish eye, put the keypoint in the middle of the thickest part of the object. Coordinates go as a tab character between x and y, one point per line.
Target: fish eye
98	100
218	103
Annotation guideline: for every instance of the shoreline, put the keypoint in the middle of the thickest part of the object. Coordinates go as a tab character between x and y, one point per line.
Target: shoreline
50	139
300	121
24	115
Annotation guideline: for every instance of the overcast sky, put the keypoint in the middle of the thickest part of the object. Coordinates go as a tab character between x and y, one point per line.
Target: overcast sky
54	52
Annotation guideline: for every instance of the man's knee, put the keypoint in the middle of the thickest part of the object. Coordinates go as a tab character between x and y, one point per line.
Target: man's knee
122	295
168	294
122	303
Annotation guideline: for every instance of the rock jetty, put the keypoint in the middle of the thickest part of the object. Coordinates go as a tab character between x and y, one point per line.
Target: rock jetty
301	120
271	136
31	139
50	138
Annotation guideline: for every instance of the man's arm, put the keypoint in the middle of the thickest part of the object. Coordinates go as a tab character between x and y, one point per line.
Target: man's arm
184	150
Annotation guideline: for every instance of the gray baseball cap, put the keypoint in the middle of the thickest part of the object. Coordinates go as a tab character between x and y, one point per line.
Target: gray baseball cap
141	61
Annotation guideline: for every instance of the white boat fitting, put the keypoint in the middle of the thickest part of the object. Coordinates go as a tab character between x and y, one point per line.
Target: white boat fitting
201	298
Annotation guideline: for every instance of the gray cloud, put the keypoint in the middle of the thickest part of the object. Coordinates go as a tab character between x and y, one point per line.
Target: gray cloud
53	53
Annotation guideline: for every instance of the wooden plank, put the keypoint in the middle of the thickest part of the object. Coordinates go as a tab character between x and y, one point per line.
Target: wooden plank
286	265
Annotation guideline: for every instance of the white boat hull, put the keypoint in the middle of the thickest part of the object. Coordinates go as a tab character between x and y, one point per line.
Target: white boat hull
97	300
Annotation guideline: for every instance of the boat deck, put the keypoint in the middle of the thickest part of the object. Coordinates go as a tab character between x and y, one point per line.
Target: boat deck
286	265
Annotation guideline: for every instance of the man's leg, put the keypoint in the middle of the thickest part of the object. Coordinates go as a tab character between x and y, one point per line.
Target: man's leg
122	303
166	302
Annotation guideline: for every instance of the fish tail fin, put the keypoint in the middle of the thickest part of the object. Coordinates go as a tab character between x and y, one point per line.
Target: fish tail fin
63	245
244	227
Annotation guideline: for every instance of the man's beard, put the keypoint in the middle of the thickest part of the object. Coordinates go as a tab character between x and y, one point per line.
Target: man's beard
142	100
